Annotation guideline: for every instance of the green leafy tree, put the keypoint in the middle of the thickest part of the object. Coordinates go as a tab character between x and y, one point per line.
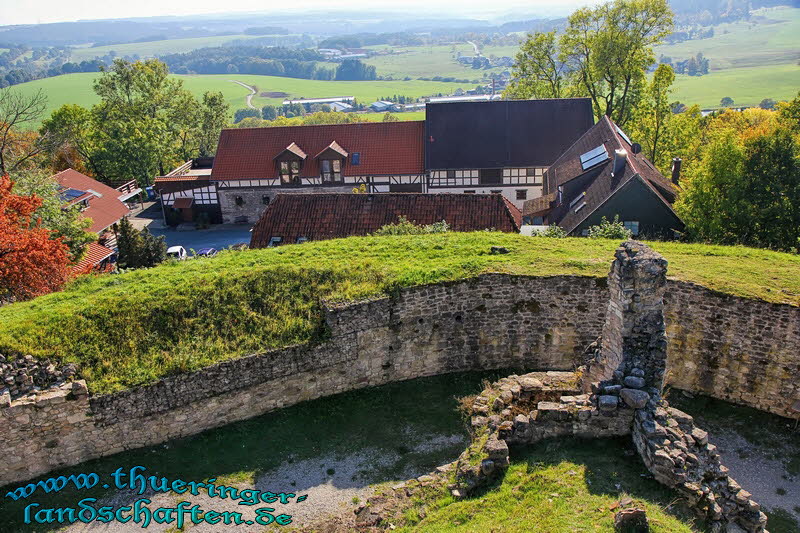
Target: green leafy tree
67	224
768	103
789	114
727	101
608	49
603	54
72	127
610	230
654	115
538	70
138	249
213	117
746	190
268	112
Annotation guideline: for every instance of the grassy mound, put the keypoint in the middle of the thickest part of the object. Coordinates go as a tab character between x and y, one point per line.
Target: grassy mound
129	329
561	485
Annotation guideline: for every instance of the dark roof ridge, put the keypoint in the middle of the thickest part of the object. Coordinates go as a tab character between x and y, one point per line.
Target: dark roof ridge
367	122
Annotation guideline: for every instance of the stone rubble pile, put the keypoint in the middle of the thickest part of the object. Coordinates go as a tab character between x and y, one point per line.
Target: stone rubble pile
26	374
679	455
621	384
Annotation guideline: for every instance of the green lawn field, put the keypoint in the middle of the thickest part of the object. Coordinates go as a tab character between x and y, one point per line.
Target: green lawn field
747	85
769	38
77	89
430	61
154	48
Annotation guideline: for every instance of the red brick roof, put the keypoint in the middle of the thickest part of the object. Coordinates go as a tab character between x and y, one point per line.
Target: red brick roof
95	253
329	216
385	148
105	209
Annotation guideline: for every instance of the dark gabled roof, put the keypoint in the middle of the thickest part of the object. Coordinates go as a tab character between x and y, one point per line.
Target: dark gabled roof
328	216
385	148
503	133
598	184
105	207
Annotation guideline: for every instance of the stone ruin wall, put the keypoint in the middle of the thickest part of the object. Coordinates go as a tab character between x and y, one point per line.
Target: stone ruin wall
493	321
624	379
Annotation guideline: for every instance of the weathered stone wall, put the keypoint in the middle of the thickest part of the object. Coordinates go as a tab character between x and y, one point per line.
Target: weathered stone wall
736	349
731	348
494	321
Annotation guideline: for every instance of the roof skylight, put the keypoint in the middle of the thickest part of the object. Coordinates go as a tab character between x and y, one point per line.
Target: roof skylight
594	157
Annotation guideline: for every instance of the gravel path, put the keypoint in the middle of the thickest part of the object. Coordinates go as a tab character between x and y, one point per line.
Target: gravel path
249	98
330	482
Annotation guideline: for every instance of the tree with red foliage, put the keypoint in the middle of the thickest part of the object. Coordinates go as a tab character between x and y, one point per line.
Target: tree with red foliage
31	263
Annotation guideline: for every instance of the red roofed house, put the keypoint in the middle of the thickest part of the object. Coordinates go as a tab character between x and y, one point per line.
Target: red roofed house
287	220
253	165
103	204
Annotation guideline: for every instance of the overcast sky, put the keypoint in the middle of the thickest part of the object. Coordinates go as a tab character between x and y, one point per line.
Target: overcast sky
40	11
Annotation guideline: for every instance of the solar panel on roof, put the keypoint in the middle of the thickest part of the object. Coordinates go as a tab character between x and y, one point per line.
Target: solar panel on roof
71	194
622	134
593	157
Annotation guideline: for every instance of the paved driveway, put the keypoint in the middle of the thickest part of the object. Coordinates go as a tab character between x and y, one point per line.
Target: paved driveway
218	236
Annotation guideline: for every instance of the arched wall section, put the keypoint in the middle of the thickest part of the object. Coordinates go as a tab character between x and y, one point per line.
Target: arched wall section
492	321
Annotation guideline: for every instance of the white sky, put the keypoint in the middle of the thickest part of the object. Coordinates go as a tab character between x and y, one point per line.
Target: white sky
40	11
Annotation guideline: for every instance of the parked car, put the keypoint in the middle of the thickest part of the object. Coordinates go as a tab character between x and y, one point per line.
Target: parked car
177	252
206	252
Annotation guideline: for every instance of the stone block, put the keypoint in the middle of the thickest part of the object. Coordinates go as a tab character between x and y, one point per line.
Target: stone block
634	398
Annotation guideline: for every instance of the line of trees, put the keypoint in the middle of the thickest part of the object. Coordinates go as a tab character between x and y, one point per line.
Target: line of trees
145	124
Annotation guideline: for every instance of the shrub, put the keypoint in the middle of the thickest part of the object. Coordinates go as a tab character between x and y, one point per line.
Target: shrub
610	230
553	231
403	226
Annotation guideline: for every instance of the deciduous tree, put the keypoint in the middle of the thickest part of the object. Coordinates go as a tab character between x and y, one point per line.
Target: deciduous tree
31	262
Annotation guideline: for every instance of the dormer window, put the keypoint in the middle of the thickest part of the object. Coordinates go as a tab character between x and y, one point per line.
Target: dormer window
331	159
289	162
290	170
331	170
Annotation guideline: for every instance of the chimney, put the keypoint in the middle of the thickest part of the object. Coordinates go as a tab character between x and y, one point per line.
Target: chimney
676	170
620	159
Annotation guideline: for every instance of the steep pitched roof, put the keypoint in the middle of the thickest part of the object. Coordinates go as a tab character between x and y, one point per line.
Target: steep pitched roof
595	184
385	148
503	133
329	216
105	207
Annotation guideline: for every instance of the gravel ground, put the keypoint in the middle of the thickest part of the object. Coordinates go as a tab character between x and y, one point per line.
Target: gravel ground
766	479
330	483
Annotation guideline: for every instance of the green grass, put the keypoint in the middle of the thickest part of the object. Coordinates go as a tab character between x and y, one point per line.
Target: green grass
77	89
129	329
439	60
747	86
335	426
155	48
769	38
555	486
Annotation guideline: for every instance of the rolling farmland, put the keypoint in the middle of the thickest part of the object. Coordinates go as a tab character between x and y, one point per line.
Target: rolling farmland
77	89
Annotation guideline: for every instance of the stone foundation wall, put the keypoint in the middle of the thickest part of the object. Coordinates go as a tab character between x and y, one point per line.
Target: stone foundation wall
732	348
493	321
736	349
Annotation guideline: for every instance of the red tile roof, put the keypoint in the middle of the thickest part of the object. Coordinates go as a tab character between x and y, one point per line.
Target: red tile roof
95	253
385	148
329	216
105	209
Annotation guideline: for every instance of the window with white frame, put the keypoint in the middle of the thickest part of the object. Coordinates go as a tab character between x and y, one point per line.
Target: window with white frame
274	241
331	170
